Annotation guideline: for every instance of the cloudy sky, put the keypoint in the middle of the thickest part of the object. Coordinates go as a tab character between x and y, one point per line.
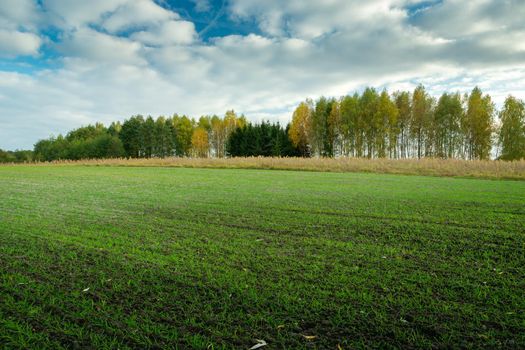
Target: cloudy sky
66	63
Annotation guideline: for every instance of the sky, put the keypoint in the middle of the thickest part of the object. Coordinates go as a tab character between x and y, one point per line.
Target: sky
67	63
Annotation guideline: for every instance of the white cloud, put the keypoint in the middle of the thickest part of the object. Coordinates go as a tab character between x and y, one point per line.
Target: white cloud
168	33
14	43
101	48
18	21
137	14
74	14
18	13
112	15
312	19
303	49
456	18
489	24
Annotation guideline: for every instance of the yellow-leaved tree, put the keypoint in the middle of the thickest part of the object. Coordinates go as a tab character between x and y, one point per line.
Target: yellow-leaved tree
299	131
199	143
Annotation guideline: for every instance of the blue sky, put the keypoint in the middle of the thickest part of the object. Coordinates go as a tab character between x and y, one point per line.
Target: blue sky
66	63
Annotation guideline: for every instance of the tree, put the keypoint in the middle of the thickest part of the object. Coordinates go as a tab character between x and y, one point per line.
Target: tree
148	137
319	127
512	130
199	142
17	156
253	140
333	135
288	149
350	125
183	133
386	138
221	129
163	138
447	125
218	136
369	124
106	146
478	125
369	110
404	108
300	128
115	128
231	122
52	149
241	121
87	132
131	136
421	114
205	123
264	139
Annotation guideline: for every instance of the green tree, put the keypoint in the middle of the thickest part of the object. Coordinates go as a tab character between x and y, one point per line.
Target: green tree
264	139
205	123
351	131
319	127
17	156
115	128
183	133
478	125
404	108
447	125
106	146
131	136
369	120
333	135
420	118
148	137
163	138
512	130
87	132
52	149
388	131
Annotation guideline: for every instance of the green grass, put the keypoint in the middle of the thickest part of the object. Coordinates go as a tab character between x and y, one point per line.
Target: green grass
213	259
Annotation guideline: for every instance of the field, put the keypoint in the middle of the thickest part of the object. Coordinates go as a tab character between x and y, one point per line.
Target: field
143	257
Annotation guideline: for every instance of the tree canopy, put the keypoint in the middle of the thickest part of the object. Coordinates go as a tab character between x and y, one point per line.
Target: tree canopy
372	124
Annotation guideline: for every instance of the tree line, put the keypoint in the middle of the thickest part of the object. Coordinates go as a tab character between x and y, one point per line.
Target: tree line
18	156
264	139
409	125
372	124
181	136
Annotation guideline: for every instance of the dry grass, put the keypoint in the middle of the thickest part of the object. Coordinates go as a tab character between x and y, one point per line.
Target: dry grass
430	167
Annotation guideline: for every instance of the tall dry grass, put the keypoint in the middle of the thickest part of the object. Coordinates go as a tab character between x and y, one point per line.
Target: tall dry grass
433	167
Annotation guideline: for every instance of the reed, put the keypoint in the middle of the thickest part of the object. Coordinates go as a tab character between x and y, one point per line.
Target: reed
489	169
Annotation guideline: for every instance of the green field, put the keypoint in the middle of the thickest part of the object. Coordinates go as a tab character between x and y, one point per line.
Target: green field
114	257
